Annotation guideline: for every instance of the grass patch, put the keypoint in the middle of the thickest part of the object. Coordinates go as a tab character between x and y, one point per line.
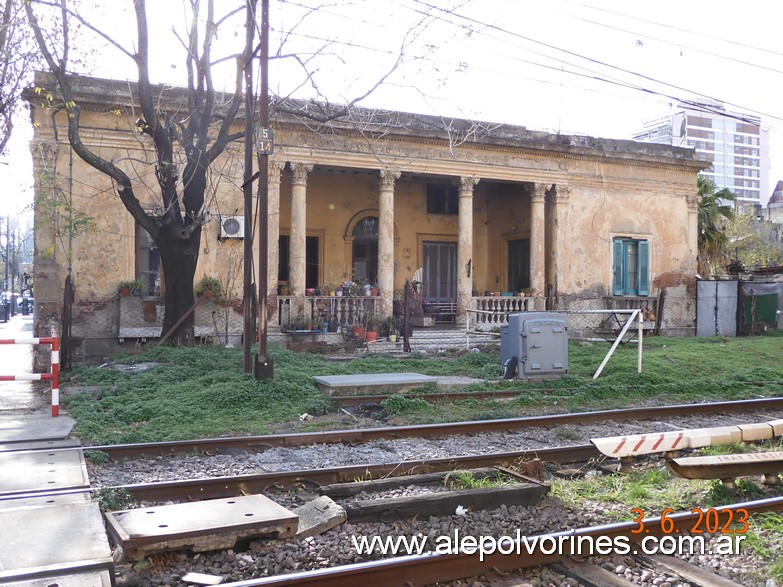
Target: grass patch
202	392
112	500
457	480
724	449
651	490
765	538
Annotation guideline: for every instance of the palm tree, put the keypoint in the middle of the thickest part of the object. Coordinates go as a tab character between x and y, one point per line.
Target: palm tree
715	208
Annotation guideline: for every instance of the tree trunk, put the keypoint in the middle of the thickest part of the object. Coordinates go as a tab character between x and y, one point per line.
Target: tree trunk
179	257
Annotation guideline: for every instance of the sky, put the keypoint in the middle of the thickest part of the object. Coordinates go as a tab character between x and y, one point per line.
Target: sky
590	67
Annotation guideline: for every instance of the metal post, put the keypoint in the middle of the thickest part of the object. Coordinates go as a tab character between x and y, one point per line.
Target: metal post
248	295
641	332
263	367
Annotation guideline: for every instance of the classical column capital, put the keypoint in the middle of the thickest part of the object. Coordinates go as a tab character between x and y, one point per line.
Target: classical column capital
299	172
275	168
693	202
562	194
539	192
388	177
467	183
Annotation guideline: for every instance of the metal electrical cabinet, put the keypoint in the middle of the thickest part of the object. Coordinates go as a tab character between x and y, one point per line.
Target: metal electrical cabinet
537	342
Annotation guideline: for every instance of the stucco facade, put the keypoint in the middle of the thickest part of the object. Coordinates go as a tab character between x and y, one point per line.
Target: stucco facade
458	199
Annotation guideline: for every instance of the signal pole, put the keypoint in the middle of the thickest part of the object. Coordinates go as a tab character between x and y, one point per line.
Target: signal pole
248	295
264	144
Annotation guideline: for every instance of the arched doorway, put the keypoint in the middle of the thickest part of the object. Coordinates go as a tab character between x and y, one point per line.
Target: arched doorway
364	251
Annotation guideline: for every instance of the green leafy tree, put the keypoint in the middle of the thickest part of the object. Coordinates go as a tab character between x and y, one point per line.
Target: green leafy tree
715	210
751	241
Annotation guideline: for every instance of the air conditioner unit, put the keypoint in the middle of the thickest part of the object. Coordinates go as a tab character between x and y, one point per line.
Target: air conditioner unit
232	227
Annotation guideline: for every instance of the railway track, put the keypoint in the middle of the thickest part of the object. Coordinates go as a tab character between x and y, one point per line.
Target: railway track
217	487
414	569
354	436
425	569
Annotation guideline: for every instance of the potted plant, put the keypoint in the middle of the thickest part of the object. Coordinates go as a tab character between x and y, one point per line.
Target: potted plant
528	292
127	288
391	328
283	289
210	288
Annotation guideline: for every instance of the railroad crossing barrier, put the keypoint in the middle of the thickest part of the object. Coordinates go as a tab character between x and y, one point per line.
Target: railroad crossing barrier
657	442
53	375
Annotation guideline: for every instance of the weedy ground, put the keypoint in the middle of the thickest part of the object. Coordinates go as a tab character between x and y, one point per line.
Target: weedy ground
203	392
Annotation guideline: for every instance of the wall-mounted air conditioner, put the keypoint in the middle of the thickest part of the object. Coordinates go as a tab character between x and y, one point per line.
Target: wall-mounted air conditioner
232	227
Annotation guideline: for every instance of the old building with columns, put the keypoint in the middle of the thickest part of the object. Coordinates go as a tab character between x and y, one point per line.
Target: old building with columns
477	212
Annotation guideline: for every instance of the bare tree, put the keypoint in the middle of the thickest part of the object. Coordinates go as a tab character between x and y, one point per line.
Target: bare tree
17	60
185	145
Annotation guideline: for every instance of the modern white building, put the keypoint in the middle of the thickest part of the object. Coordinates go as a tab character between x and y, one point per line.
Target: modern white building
733	142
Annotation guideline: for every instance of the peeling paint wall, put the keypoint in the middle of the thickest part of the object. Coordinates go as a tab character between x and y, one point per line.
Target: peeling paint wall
613	188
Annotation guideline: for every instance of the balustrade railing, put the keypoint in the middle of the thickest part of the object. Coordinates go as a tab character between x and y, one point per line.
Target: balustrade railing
332	310
494	310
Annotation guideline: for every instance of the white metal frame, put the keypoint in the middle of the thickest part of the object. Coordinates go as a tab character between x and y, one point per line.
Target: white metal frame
635	314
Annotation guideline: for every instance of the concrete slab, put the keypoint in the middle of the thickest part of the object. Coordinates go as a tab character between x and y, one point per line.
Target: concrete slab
16	359
48	470
200	526
756	431
40	445
375	382
58	538
449	381
318	516
777	427
36	426
86	579
45	500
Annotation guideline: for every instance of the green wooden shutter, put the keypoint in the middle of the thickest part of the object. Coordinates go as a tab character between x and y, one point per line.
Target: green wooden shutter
644	268
617	268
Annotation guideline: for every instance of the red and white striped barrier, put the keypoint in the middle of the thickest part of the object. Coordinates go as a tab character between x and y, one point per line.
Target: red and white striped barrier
656	442
640	444
53	375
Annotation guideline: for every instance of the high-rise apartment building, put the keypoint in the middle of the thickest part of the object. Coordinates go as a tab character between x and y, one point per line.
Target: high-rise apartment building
732	142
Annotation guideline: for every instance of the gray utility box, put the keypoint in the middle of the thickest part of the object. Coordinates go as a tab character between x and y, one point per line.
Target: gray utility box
538	341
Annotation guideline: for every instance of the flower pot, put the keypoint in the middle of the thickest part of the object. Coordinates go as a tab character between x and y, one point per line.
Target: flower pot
392	338
374	291
339	293
358	331
125	292
372	336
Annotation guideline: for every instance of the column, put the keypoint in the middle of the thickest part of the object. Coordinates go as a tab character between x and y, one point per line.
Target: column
465	248
693	201
558	238
537	239
386	240
273	235
297	259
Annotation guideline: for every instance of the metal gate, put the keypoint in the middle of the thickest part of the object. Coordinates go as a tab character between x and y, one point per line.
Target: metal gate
716	308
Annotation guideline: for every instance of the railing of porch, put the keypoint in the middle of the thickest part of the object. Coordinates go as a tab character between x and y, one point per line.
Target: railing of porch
494	310
342	310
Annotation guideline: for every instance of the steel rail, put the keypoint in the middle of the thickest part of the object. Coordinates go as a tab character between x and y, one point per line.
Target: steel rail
359	435
217	487
434	568
358	400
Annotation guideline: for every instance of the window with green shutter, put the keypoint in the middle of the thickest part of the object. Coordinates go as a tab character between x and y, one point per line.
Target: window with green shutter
630	267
